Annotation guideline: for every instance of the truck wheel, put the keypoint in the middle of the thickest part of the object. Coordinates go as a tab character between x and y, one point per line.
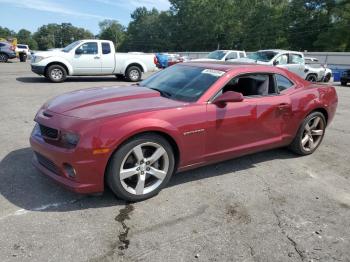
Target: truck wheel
56	73
311	78
343	83
133	74
3	58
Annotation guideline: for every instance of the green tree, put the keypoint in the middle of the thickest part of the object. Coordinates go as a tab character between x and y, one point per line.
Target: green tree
112	30
25	37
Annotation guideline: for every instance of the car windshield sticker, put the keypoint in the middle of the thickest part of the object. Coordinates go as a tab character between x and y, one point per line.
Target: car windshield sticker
213	72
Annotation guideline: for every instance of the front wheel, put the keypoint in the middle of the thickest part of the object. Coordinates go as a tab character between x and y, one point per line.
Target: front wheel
141	167
3	57
327	78
310	134
56	73
133	74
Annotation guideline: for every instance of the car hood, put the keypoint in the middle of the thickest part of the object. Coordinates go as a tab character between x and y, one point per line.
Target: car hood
51	53
108	101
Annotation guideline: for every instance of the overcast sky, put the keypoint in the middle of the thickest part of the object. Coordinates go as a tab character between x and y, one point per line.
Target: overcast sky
30	14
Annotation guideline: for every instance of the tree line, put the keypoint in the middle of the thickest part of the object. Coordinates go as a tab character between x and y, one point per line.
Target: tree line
204	25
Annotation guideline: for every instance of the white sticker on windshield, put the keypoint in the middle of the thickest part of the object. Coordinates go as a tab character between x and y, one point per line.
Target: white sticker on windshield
213	72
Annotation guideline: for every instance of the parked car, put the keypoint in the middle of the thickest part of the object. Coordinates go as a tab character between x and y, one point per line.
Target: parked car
7	51
91	57
23	48
324	70
345	78
187	115
291	60
223	55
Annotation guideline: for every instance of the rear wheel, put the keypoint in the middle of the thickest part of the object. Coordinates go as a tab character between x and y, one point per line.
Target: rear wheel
133	74
141	167
310	134
56	73
3	57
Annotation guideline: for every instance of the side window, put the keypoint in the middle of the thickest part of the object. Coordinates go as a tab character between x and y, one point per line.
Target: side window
252	85
295	59
232	55
241	54
106	48
283	83
282	60
2	44
89	48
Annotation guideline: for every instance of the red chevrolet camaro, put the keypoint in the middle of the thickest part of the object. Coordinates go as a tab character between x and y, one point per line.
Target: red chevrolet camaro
193	114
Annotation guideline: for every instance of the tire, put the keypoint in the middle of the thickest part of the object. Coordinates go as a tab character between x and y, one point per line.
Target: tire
311	78
343	83
56	73
327	78
133	74
299	146
138	169
3	58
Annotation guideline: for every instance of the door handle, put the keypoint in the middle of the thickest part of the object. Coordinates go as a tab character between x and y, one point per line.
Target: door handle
97	57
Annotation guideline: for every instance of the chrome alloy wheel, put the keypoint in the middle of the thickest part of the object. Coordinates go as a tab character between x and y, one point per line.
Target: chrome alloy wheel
134	75
144	168
56	74
313	133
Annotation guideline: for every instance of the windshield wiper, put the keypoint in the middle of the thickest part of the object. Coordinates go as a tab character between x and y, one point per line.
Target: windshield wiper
162	93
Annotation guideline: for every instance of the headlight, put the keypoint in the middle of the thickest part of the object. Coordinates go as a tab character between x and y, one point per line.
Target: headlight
36	130
37	59
69	140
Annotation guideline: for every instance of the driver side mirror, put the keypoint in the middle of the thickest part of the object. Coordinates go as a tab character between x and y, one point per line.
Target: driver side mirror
78	51
228	97
275	62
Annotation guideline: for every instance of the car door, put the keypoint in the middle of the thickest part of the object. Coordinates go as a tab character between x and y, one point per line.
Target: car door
231	55
253	124
296	64
107	58
87	60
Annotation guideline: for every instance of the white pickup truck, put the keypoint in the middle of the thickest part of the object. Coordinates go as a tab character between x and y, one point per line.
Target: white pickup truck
222	55
91	58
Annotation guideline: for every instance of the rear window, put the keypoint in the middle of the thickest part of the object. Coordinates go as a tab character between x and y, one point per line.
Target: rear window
22	46
106	48
283	83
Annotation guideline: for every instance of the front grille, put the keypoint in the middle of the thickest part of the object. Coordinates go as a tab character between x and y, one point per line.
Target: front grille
48	132
47	163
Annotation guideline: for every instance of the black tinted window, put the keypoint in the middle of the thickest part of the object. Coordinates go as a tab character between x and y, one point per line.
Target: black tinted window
231	56
2	44
283	83
106	48
89	48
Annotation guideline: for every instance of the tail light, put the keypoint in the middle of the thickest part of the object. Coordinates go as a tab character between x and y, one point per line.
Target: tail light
155	60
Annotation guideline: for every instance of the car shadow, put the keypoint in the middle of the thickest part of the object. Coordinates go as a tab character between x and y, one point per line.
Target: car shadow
70	79
25	187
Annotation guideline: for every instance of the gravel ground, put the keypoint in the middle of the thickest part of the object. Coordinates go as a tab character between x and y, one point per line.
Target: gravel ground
271	206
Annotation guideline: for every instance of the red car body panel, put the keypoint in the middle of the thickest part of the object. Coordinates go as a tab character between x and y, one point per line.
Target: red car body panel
201	132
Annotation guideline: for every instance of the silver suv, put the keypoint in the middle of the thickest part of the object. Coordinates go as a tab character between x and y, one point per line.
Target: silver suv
7	51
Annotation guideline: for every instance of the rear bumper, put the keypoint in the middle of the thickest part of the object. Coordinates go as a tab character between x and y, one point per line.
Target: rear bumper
12	55
40	70
89	174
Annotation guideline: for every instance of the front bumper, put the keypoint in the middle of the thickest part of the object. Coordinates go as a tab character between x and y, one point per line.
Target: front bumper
89	173
40	70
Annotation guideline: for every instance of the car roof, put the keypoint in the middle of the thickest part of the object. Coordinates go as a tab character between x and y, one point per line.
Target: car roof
280	51
228	66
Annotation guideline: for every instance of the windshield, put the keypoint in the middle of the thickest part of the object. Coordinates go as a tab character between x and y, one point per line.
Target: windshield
181	82
71	46
218	54
263	56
